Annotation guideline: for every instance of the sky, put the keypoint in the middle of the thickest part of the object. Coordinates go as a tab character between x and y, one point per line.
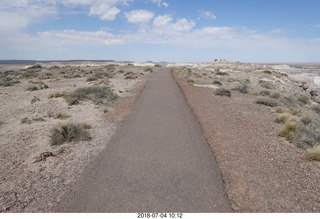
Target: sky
278	31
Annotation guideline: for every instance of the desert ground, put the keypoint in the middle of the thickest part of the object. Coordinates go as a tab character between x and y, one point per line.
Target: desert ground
35	100
261	121
264	130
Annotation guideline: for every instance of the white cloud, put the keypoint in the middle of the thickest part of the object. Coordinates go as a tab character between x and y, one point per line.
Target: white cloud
82	37
160	3
104	11
162	20
139	16
207	15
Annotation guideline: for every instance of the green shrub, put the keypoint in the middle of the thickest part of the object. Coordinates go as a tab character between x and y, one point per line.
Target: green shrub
289	130
223	92
97	94
69	132
267	102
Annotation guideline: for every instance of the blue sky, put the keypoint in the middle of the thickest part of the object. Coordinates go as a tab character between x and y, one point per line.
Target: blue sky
161	30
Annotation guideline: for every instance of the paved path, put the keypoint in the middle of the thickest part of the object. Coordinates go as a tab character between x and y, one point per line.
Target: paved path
158	161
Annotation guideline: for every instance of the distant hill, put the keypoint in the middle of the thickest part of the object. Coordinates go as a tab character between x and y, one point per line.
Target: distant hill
26	62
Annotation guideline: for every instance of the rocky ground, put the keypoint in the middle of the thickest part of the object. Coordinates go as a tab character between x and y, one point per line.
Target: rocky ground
33	102
264	148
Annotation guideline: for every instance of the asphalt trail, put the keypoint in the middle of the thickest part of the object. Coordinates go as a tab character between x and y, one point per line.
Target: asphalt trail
158	161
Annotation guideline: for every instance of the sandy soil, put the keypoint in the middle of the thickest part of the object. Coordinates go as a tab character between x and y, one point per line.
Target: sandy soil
262	172
36	187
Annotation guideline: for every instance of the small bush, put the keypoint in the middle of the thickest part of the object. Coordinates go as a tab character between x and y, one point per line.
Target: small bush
306	119
190	81
308	135
69	132
6	84
97	94
222	73
303	99
71	98
242	88
26	120
267	72
316	109
275	95
148	69
312	153
131	75
267	102
55	95
265	93
282	118
58	115
217	83
267	85
223	92
37	66
289	130
34	100
32	88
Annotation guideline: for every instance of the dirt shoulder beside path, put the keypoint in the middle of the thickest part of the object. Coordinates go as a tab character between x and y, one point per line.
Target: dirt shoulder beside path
261	171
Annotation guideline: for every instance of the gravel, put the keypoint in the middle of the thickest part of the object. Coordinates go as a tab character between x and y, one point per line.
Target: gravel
262	172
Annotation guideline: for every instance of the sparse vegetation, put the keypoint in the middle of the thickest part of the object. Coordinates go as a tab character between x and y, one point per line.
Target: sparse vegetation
97	94
223	92
312	153
267	85
69	132
282	118
316	109
55	95
267	102
303	99
34	100
215	82
289	130
148	69
131	75
58	115
242	88
190	81
265	93
275	95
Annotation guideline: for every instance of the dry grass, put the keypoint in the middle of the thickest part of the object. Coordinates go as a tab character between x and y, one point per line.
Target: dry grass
267	102
100	95
223	92
69	132
312	153
289	130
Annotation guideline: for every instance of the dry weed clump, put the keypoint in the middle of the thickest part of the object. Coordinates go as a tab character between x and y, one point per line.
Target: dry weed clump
268	102
223	92
267	85
55	95
99	95
282	118
265	93
131	75
69	132
312	153
289	130
215	82
242	88
58	115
